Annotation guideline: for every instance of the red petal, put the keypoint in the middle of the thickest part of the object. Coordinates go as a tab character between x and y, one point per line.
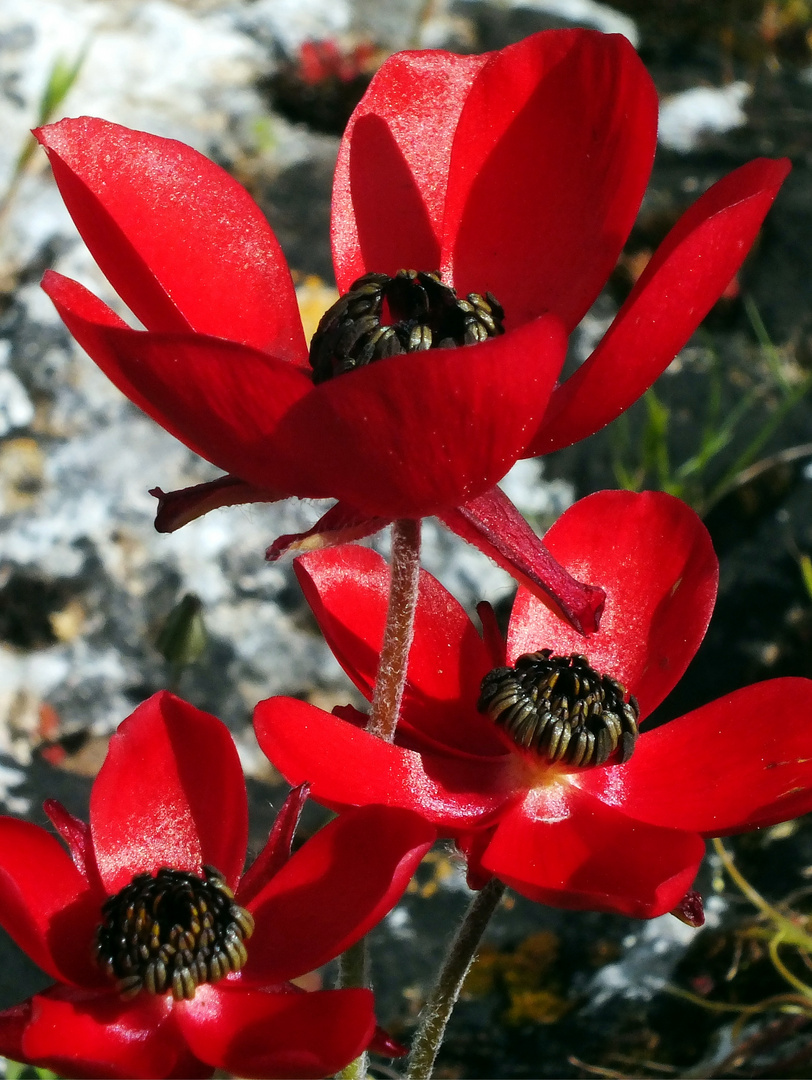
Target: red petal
348	591
76	834
180	241
654	558
340	525
221	399
394	439
491	634
551	157
277	849
84	1035
89	320
494	525
333	890
690	910
684	279
266	1034
348	767
45	903
586	855
392	170
742	762
13	1023
384	1044
472	846
152	804
178	508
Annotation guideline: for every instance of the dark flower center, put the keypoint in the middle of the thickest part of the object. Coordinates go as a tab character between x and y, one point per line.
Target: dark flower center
421	313
173	931
562	709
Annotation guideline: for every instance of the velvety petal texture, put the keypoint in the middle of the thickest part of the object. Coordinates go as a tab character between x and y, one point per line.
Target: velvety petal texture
494	525
581	853
204	234
170	796
363	862
347	590
160	812
614	837
750	749
45	903
290	1035
278	848
235	389
394	438
555	142
682	281
392	173
452	162
658	606
517	173
386	439
77	1034
391	440
349	767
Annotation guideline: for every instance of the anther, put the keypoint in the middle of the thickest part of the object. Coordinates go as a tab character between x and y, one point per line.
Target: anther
171	932
425	313
561	709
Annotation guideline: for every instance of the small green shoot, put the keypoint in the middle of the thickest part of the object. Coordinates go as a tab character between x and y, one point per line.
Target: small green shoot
16	1071
183	638
646	460
806	574
62	76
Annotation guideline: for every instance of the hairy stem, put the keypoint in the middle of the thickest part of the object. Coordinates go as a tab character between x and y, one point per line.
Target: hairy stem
397	638
438	1009
391	678
353	971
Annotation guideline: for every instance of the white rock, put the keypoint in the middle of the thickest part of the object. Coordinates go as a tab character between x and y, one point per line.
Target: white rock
16	408
685	118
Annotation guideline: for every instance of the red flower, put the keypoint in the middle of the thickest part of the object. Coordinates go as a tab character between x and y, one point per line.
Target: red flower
517	173
170	802
623	837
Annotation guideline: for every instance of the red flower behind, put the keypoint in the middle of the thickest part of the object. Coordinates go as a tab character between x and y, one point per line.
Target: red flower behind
624	837
518	173
171	795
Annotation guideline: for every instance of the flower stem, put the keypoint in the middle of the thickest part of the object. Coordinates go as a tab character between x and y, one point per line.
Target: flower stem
353	968
438	1008
356	1070
353	971
397	637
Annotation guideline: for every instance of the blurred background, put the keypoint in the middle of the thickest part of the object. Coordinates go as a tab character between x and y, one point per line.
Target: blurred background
97	611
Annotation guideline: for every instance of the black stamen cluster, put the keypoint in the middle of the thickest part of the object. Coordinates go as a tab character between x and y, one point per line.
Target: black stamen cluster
427	315
562	709
172	932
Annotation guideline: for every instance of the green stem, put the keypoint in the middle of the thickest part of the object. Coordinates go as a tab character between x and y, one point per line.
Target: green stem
353	971
788	931
397	638
441	1002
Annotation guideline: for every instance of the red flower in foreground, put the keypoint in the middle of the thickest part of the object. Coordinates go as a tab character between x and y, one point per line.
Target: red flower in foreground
517	173
169	804
622	836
